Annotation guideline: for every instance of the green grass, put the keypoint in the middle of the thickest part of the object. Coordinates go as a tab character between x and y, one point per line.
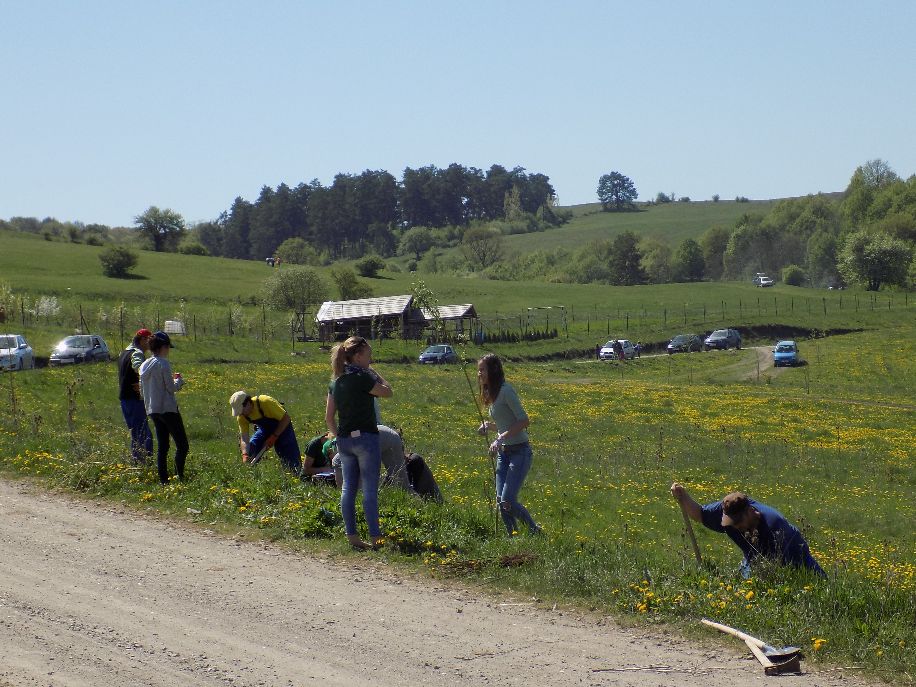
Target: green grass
829	444
670	222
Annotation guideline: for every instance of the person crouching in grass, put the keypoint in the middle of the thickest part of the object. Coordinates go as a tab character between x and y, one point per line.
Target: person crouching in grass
274	429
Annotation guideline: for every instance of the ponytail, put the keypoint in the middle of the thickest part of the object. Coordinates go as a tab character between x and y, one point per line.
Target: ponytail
343	353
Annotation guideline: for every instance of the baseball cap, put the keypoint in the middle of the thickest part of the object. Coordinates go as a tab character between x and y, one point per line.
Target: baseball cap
143	332
734	506
163	338
236	401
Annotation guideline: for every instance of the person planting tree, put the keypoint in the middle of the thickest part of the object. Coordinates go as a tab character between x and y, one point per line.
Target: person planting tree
273	429
762	533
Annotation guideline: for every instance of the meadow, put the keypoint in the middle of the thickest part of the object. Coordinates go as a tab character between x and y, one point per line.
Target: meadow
830	443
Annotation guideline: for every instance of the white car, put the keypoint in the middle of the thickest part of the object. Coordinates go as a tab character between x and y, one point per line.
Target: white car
607	350
763	280
15	353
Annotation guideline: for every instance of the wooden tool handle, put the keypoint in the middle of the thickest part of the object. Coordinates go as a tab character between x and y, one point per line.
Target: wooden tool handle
735	633
758	652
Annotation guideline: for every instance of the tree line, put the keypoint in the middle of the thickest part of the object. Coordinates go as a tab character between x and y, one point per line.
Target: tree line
867	235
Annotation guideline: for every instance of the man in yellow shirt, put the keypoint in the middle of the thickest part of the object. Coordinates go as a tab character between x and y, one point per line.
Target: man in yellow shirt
273	428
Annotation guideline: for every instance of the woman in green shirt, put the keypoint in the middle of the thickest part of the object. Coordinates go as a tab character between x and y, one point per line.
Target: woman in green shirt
350	416
513	452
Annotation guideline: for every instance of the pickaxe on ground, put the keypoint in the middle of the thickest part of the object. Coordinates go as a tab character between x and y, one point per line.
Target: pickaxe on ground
774	660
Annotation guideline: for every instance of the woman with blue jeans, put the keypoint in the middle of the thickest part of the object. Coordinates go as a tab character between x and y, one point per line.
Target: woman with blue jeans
351	417
513	452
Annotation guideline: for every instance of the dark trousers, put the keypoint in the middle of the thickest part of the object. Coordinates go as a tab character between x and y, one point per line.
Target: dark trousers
169	424
141	441
286	447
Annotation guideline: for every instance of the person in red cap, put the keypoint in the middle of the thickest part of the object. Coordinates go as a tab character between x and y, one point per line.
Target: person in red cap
129	362
761	532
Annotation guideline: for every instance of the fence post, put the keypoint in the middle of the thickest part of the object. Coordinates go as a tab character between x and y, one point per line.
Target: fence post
665	317
121	324
628	322
194	326
825	305
775	308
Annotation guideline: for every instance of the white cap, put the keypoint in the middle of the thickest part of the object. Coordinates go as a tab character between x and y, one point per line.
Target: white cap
236	401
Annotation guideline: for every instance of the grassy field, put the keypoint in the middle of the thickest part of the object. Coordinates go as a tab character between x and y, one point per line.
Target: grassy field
829	443
670	222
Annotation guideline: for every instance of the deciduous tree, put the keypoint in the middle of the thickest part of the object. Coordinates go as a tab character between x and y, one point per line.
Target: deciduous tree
163	228
617	190
874	259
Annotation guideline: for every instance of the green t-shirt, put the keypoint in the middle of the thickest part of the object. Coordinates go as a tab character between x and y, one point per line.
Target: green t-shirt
313	451
355	405
506	411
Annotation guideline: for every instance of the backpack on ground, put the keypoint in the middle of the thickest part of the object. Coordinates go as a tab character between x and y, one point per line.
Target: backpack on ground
421	478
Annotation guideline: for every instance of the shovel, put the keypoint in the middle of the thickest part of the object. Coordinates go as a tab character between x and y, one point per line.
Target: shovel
778	660
260	454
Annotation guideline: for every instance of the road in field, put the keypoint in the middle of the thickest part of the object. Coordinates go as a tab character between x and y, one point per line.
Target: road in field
95	595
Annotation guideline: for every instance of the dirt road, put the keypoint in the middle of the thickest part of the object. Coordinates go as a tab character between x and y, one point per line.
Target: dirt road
96	595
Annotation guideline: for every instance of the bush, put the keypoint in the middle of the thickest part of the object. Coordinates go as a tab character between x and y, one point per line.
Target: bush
117	261
293	289
296	251
93	240
370	266
192	248
793	275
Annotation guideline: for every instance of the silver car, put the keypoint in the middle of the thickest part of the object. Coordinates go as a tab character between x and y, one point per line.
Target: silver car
15	353
81	348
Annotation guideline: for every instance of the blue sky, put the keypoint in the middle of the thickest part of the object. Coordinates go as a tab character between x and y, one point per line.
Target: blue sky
110	107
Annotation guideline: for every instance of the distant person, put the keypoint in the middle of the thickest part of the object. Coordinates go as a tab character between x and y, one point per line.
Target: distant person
270	262
274	428
350	415
759	531
618	350
2	314
638	348
598	351
132	407
159	385
513	452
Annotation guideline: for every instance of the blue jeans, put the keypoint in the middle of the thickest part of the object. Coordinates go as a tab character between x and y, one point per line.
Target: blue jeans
512	466
286	447
360	458
141	441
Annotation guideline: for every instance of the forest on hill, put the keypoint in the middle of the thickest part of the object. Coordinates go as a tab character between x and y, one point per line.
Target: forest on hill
457	221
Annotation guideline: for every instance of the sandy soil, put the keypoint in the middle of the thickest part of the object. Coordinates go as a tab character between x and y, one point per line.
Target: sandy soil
92	594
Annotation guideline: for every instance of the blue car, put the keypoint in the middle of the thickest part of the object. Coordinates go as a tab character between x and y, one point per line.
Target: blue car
438	354
785	354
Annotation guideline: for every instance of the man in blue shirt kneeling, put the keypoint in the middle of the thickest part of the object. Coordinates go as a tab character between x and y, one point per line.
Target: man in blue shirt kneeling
758	530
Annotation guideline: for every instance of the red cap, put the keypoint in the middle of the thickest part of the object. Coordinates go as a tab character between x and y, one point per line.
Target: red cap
144	332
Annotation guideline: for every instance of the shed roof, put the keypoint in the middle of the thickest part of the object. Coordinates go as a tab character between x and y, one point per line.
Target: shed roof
363	308
452	312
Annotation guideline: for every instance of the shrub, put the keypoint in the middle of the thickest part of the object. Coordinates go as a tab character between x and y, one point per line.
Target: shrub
370	266
296	251
192	248
793	275
293	289
117	261
715	197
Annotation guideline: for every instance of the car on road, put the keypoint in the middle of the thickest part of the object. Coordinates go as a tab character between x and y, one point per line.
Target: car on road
785	354
80	348
763	280
685	343
15	353
607	350
723	338
438	354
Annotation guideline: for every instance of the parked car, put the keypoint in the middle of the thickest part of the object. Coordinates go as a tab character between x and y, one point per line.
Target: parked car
15	353
685	343
763	280
724	339
81	348
607	350
785	353
438	353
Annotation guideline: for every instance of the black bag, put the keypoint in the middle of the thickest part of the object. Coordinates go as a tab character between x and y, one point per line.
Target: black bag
421	478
